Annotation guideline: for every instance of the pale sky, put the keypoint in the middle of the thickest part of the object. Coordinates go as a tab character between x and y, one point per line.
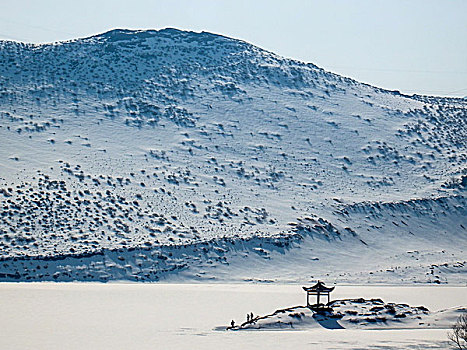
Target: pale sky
417	46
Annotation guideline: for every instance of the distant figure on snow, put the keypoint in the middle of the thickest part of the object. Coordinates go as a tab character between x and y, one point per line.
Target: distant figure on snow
232	323
251	316
248	317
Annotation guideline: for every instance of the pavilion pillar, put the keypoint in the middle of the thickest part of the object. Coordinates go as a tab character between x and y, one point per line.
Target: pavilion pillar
318	298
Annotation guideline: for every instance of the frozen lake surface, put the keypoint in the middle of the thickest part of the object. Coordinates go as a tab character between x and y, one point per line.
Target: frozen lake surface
176	316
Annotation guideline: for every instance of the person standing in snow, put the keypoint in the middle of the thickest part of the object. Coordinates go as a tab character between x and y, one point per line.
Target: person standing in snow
232	323
248	317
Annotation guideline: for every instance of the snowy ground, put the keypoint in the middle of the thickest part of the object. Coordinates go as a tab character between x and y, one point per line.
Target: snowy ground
181	316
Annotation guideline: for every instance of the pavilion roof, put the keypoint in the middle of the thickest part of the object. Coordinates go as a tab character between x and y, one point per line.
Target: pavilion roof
319	287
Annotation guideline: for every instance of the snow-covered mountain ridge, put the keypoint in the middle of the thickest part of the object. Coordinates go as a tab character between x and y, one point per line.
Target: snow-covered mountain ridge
138	154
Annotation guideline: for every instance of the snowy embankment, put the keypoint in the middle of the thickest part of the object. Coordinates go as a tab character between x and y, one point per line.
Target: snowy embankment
354	314
314	248
398	243
181	156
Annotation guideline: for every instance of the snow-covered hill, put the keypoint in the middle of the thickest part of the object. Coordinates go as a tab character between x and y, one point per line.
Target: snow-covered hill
144	155
353	313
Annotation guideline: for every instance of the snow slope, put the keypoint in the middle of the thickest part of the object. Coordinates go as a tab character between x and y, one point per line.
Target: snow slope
148	155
